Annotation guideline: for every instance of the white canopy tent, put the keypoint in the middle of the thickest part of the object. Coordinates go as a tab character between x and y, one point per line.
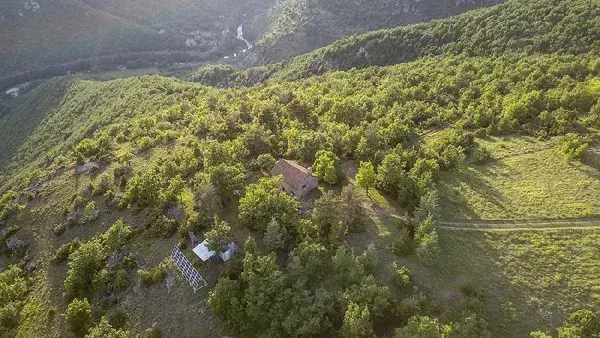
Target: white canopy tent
203	252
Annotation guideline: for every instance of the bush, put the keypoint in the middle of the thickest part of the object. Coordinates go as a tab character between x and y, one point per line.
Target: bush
65	250
402	277
77	202
84	264
153	332
89	212
103	185
79	317
158	225
117	236
13	290
59	229
105	330
121	280
427	240
117	318
153	276
573	147
145	143
7	234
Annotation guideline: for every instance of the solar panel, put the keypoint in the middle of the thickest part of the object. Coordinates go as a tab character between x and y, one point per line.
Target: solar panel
191	274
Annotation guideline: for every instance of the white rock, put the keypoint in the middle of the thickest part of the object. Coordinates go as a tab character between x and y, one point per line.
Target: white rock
14	92
191	43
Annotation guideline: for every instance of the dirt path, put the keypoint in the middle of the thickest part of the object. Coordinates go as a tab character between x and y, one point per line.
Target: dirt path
592	222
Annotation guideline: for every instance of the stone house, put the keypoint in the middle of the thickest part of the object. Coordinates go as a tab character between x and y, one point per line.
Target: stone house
297	180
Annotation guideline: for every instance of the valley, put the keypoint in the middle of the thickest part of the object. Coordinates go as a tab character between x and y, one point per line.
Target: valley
434	180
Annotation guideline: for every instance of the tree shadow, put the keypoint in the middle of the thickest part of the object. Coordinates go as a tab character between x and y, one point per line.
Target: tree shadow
473	178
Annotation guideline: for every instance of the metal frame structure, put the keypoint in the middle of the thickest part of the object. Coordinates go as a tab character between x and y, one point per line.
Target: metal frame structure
189	272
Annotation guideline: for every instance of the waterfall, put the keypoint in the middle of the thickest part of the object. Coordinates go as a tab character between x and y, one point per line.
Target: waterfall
240	36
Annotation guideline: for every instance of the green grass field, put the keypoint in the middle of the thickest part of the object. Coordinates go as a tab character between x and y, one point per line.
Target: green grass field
526	179
530	279
544	273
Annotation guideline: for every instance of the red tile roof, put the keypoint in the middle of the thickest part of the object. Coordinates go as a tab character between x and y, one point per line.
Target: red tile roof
293	173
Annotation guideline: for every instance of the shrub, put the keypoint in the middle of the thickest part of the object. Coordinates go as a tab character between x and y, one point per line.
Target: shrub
153	332
59	229
65	250
77	202
428	248
79	317
573	146
84	264
325	166
195	222
402	277
13	290
369	258
219	236
481	155
117	318
103	185
121	280
105	330
118	234
89	212
153	276
144	143
158	225
469	290
427	240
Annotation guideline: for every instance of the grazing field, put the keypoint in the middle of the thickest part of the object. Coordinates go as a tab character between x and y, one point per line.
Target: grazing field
530	277
525	179
544	274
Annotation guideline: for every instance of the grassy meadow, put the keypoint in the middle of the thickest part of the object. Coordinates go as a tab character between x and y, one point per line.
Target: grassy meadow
544	274
525	179
529	279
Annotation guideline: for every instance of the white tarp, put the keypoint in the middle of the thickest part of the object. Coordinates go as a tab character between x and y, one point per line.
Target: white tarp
202	251
226	255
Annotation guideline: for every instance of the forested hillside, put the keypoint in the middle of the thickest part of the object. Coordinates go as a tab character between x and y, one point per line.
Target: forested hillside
300	26
35	34
537	26
459	168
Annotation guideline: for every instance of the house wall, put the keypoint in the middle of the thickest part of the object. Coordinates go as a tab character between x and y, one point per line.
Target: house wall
308	185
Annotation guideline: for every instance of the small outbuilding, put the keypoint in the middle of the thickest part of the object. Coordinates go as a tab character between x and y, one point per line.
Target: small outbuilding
297	180
202	251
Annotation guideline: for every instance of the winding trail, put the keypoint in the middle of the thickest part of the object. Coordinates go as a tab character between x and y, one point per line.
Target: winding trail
581	223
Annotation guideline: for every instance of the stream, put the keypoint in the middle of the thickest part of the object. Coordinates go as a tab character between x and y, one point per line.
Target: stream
240	36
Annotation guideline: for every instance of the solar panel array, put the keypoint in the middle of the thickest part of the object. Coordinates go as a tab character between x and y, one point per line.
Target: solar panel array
186	268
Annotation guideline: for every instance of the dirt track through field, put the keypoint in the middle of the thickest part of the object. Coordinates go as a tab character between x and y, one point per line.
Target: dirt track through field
584	223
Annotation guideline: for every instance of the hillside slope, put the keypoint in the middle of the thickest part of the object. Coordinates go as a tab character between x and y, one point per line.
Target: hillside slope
531	26
300	26
150	133
39	33
100	181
